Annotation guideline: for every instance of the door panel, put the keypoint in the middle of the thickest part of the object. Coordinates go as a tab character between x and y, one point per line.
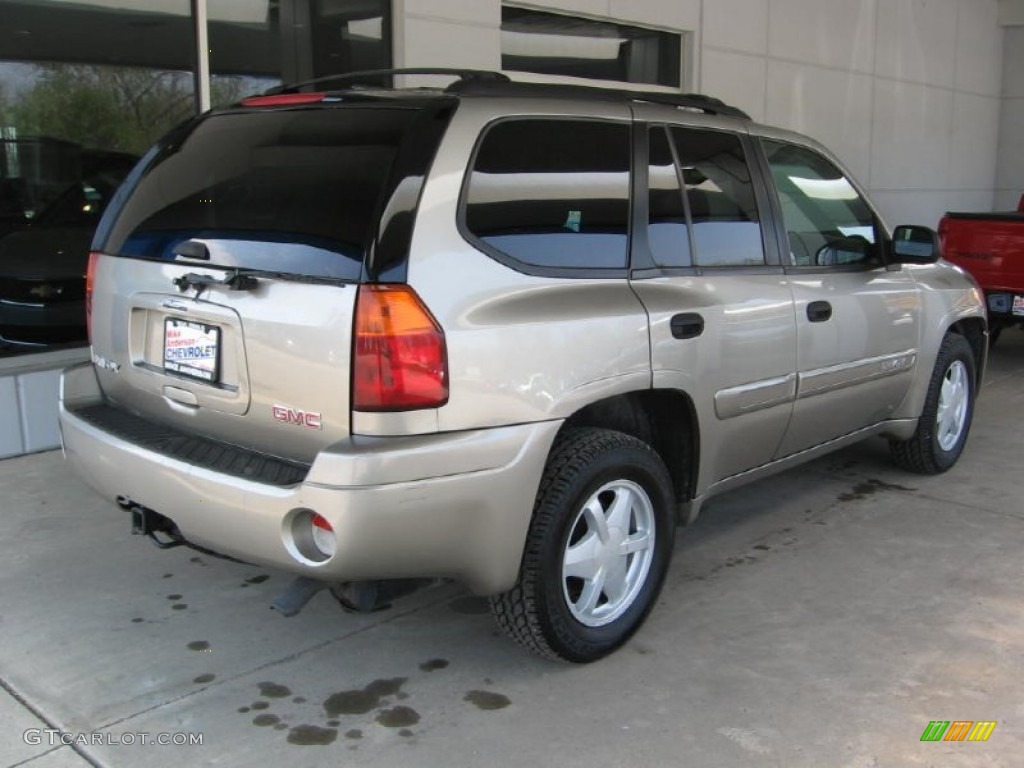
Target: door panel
857	322
739	370
856	367
721	320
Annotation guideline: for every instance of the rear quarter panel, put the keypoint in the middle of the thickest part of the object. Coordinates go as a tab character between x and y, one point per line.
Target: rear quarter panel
521	348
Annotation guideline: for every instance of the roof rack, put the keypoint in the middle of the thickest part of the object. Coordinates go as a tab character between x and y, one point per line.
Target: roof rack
376	75
506	87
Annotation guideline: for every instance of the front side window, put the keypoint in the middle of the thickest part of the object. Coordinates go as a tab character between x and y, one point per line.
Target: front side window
552	193
720	198
828	223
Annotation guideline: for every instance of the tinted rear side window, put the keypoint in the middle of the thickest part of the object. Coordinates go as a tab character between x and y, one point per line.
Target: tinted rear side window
720	196
287	190
667	230
553	193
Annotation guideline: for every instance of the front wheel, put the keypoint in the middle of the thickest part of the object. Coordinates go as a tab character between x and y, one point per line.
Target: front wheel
597	550
948	410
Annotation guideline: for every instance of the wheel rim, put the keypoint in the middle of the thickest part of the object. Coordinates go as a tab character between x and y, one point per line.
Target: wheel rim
609	552
951	416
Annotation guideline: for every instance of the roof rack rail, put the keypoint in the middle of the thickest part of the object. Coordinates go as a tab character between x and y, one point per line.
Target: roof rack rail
506	87
381	74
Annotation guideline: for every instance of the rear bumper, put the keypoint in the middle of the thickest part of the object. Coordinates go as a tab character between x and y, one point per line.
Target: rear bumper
454	505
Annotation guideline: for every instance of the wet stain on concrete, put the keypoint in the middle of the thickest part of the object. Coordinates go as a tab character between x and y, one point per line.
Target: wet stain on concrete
299	699
433	665
243	710
398	717
168	575
359	702
174	597
257	579
281	727
199	645
274	690
197	560
354	702
138	620
763	547
260	705
264	720
487	700
334	723
354	733
405	733
868	488
470	605
387	687
179	606
312	735
203	679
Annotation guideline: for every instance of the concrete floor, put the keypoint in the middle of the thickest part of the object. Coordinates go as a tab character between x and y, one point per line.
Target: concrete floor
821	618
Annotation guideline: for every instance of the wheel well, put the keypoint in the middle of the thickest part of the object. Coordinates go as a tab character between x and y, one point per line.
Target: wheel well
973	329
664	419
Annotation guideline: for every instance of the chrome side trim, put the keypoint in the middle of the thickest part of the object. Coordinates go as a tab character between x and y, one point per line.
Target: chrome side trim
822	380
736	401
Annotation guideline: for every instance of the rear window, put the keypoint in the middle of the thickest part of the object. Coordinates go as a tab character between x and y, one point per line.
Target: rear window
295	190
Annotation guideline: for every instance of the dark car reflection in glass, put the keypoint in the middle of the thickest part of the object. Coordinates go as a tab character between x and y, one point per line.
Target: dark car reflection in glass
42	266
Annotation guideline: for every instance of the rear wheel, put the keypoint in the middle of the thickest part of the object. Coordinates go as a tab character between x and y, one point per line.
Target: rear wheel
597	550
948	410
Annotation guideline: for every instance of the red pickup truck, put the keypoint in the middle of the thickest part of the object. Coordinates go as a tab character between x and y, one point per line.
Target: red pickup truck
991	247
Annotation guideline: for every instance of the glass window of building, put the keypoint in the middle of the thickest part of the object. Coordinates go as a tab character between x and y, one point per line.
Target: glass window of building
554	44
257	44
86	86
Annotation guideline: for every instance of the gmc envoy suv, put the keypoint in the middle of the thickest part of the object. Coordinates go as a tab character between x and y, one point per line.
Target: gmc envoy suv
504	333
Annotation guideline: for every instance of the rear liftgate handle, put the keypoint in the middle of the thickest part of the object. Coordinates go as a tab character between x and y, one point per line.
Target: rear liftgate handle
819	311
688	325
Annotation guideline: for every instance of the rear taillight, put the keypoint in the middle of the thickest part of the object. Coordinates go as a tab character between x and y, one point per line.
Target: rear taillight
399	358
90	277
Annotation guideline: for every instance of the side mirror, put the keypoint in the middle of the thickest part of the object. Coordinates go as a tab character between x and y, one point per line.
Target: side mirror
912	244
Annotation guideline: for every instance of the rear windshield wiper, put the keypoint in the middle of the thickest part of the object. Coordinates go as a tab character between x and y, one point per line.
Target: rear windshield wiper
243	279
236	280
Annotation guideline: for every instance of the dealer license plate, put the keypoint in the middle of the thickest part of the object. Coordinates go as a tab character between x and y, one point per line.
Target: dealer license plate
192	349
1018	305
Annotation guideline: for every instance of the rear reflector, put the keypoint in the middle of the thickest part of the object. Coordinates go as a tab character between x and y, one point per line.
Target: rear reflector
282	99
323	536
90	277
400	361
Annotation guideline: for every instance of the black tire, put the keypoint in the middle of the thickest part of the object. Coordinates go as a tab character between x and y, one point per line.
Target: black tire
931	450
539	613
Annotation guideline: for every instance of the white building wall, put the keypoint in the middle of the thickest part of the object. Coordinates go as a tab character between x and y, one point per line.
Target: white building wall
1010	170
906	92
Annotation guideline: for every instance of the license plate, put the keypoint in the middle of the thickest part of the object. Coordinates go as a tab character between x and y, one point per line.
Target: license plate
1018	305
192	349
